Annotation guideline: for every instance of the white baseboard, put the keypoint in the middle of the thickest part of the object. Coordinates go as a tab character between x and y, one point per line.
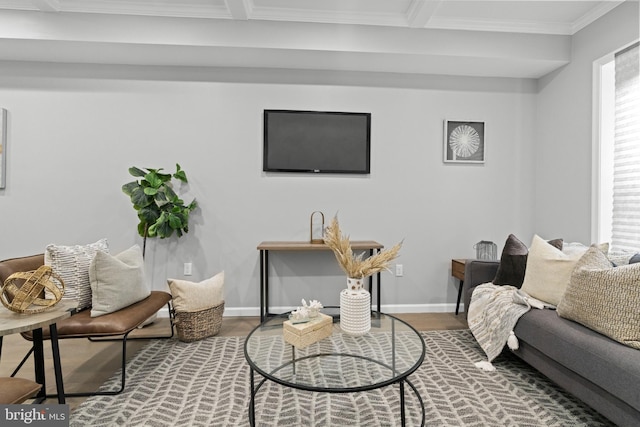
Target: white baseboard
391	309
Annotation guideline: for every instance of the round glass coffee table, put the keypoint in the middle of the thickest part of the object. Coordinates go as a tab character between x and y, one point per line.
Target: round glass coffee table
390	352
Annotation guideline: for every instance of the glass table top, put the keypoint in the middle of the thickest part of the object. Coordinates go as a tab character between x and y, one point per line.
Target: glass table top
388	353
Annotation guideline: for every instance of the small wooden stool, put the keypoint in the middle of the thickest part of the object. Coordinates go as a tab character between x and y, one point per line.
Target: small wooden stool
17	390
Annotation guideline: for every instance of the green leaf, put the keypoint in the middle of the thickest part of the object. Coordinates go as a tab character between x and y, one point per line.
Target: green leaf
163	229
150	191
181	175
140	199
151	231
165	177
141	227
136	171
149	214
175	222
153	179
161	196
182	215
129	187
171	195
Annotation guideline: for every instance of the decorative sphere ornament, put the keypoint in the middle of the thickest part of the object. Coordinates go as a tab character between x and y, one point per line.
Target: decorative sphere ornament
23	292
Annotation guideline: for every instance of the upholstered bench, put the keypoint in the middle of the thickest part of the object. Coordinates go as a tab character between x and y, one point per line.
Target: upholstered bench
118	324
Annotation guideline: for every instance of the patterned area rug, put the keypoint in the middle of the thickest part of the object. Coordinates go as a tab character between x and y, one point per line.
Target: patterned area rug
206	383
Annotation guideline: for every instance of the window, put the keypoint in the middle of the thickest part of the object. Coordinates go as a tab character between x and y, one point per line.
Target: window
617	149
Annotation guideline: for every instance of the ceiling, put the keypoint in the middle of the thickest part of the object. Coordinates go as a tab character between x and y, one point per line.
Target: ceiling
510	38
547	17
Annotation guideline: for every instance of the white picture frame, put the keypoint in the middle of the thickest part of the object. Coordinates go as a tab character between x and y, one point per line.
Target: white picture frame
3	148
464	141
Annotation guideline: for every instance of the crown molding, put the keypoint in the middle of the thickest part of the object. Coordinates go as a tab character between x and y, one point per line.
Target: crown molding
600	10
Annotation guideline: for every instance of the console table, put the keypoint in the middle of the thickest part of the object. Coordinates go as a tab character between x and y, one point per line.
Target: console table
265	247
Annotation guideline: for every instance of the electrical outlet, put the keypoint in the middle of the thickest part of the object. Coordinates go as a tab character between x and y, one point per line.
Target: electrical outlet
399	270
188	267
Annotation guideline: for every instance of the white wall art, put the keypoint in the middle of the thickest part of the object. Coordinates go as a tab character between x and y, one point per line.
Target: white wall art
464	141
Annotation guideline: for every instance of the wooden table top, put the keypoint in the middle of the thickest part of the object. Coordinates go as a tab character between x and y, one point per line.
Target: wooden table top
13	323
307	246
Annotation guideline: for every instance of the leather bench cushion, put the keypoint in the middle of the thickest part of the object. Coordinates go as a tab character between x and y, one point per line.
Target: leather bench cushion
17	390
608	364
82	325
14	265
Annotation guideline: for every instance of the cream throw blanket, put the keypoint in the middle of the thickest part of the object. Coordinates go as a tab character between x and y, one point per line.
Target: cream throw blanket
493	313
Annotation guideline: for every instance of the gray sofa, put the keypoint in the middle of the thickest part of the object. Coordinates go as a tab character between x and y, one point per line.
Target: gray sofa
594	368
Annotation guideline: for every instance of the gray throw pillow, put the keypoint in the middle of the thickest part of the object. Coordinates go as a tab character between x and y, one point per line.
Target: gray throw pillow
513	261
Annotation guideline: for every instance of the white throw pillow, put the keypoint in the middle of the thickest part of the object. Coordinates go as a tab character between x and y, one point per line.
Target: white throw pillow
71	263
191	296
549	270
117	281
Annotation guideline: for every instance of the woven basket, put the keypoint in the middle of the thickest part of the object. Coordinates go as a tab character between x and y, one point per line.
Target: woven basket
196	325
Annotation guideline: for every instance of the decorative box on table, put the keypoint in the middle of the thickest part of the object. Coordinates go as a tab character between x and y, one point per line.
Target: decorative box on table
301	335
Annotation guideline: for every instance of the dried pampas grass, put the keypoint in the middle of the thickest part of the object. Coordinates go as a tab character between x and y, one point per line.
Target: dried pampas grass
354	265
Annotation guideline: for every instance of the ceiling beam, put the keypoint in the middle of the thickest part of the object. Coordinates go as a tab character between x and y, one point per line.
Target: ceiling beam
420	12
47	5
194	42
239	9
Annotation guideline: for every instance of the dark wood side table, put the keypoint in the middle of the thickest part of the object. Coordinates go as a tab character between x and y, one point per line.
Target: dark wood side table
457	271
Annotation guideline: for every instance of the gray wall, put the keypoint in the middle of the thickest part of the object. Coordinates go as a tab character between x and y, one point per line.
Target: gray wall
74	131
563	153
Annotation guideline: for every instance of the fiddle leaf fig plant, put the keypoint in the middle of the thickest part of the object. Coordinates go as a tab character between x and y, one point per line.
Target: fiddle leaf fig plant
160	211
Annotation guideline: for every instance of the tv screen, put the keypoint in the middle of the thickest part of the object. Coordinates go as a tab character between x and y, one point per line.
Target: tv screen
316	142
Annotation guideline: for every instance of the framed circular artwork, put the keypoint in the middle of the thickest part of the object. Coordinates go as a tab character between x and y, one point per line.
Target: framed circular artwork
464	141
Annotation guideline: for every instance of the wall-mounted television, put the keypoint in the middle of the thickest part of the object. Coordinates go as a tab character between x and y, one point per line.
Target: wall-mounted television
316	142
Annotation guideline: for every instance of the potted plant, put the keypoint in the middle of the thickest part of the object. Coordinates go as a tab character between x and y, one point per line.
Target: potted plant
160	211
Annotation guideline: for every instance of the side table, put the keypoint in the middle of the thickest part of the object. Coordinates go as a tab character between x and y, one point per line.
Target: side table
457	271
14	323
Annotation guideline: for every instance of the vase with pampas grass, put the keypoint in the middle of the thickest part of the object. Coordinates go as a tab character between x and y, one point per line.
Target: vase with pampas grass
355	301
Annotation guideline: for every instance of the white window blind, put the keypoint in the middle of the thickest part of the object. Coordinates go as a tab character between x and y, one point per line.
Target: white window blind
626	168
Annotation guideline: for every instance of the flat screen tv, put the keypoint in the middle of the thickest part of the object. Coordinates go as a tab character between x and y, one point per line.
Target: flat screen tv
316	142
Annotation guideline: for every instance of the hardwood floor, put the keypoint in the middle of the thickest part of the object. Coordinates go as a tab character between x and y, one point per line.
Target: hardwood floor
87	365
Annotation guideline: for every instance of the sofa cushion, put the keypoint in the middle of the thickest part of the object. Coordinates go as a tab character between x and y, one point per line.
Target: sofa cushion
513	261
71	263
622	257
548	270
192	296
604	298
117	281
608	364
